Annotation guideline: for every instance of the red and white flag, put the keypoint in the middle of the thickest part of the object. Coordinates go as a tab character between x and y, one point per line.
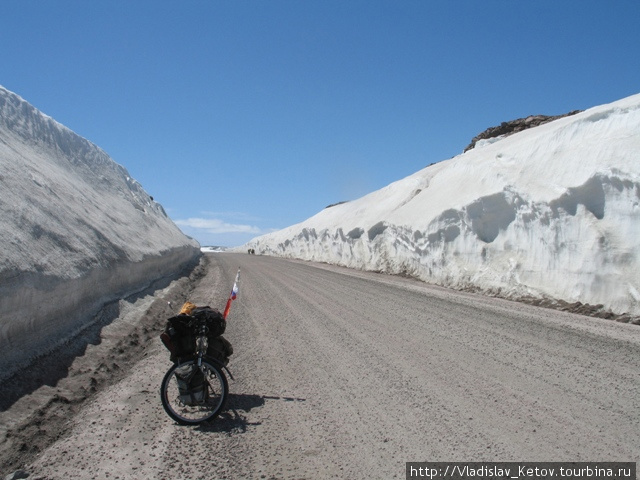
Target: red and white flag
232	295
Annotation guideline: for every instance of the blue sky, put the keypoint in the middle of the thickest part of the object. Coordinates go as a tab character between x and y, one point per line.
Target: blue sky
241	117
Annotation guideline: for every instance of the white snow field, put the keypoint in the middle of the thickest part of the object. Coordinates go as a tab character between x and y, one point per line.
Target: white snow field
551	212
76	232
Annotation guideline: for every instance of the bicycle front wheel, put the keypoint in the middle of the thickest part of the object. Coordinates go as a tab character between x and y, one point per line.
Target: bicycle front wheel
192	394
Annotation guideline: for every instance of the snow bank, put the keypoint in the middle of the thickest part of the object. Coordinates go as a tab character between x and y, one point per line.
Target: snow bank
77	232
551	212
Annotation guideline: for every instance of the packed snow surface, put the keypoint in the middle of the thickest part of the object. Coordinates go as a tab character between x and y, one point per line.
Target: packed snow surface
551	212
76	232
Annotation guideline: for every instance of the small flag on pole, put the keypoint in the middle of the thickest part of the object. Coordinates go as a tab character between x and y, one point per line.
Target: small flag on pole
232	295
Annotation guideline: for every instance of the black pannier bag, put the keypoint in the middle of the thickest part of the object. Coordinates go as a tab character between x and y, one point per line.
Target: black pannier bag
179	335
220	348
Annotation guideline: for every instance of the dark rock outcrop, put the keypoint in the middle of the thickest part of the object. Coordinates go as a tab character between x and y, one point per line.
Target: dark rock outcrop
515	126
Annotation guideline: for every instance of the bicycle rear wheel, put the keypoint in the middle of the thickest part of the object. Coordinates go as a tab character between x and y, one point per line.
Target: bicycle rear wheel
192	394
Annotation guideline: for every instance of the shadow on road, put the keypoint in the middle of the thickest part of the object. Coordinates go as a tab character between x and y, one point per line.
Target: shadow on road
233	420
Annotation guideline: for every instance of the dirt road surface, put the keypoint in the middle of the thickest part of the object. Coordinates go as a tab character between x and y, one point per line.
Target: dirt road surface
347	374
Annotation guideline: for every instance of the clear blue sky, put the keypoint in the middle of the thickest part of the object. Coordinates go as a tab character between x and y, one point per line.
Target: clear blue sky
249	116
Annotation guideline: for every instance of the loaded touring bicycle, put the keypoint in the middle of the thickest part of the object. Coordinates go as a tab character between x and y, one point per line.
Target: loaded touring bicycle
195	388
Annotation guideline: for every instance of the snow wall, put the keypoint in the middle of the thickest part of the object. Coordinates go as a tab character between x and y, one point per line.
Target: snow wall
551	212
77	232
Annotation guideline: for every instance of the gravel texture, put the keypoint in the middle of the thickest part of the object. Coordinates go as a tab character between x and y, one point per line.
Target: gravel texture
338	374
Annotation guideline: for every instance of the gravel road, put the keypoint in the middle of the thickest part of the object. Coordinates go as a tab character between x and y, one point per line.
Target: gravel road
348	374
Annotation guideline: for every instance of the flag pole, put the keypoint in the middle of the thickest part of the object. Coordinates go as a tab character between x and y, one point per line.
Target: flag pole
232	295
